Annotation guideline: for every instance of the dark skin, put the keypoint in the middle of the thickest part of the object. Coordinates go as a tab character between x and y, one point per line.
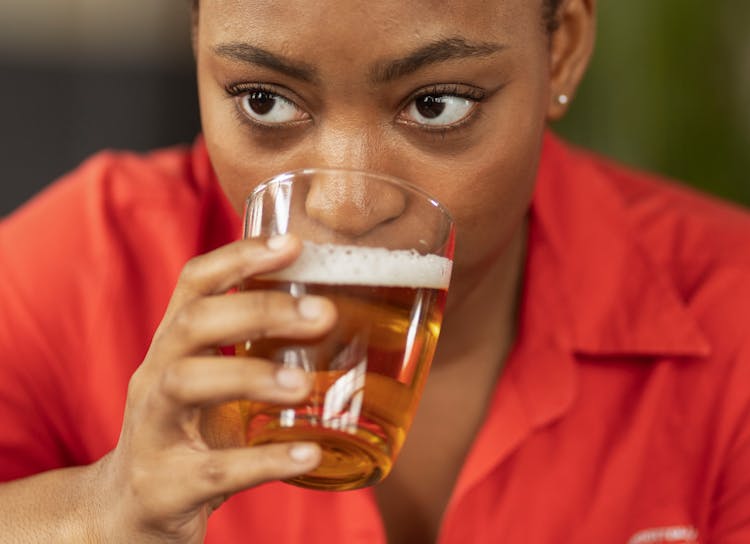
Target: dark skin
341	93
481	167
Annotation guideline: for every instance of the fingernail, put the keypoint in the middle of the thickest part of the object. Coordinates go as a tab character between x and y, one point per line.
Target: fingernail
310	307
278	242
302	453
290	378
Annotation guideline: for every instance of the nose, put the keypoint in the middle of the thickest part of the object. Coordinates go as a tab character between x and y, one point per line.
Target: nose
348	201
352	203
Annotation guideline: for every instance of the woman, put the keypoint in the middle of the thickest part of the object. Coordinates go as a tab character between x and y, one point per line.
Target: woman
589	383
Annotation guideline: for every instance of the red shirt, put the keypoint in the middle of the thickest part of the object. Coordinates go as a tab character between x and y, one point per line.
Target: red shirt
623	414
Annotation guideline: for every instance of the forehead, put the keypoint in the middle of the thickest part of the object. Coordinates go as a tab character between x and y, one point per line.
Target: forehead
359	26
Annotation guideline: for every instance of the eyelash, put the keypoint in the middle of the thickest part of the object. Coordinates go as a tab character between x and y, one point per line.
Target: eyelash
467	92
459	90
236	90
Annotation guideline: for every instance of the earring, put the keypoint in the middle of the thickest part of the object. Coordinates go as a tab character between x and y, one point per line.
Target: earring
562	99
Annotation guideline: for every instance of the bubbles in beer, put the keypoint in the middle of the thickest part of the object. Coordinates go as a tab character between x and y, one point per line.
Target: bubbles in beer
367	372
351	265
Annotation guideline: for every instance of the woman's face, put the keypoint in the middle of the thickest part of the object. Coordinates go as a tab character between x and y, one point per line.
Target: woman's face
451	96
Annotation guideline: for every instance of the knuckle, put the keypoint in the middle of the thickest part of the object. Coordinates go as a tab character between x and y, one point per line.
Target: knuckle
214	473
186	318
243	249
175	383
144	491
239	254
270	305
264	304
139	394
191	271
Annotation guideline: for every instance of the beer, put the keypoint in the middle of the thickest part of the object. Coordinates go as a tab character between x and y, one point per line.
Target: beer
368	372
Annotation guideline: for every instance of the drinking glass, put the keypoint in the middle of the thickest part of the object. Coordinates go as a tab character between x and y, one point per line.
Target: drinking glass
381	250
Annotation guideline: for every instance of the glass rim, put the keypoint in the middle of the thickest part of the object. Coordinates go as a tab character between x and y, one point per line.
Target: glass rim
393	180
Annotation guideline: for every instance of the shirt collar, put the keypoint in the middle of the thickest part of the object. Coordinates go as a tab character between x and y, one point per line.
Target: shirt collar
590	289
620	301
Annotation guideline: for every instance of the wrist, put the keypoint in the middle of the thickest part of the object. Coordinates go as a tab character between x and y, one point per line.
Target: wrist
89	510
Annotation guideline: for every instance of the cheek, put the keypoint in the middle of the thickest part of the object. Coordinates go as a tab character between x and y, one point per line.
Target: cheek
495	209
491	202
489	188
240	160
220	134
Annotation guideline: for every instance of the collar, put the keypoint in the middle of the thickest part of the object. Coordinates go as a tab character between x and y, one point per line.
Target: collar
591	289
620	301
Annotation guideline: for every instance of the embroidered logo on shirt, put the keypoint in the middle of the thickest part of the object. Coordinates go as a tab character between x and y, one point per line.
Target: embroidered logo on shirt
664	535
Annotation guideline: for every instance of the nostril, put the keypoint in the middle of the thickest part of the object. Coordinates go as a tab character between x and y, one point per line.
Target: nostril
353	205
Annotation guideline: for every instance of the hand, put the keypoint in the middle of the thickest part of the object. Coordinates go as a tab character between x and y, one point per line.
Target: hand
163	480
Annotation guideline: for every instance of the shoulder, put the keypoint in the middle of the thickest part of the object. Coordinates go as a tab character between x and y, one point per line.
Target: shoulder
701	245
691	244
114	225
109	184
678	224
109	197
696	238
79	297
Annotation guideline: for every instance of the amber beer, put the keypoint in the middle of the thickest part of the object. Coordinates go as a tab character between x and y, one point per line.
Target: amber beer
368	372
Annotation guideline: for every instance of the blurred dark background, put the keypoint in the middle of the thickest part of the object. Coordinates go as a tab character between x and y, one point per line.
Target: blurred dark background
78	76
668	91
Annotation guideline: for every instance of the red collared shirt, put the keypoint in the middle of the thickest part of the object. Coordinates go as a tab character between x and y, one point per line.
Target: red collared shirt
623	414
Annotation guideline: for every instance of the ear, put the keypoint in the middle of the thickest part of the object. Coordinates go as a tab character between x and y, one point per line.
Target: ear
571	47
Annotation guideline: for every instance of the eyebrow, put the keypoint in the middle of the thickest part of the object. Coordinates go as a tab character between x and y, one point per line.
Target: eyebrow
432	53
250	54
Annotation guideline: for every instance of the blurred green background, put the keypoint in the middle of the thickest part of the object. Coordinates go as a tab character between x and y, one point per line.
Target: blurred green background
669	91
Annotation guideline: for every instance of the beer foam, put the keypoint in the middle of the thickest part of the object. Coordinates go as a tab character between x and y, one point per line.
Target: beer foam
351	265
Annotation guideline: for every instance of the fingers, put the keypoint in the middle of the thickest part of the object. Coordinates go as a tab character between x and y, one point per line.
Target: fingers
223	472
207	380
237	317
215	474
177	407
220	270
186	381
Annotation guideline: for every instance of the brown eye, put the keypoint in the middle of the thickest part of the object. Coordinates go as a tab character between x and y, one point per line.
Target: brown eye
268	108
260	102
429	106
434	110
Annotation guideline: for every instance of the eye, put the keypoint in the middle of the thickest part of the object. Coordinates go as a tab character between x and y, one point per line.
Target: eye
267	108
439	110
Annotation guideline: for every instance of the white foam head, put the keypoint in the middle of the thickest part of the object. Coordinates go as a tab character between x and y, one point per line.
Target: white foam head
350	265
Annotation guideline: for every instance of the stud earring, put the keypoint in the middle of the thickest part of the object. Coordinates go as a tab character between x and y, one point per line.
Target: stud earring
562	99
